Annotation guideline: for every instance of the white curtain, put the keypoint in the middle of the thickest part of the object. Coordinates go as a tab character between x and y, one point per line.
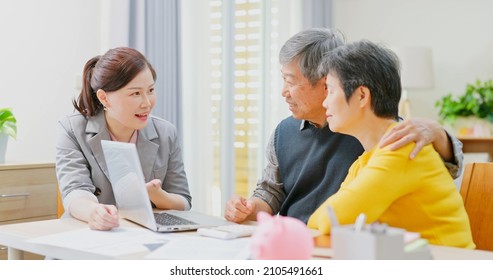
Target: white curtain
154	27
197	135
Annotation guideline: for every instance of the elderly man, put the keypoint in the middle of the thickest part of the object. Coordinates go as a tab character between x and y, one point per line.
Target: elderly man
306	161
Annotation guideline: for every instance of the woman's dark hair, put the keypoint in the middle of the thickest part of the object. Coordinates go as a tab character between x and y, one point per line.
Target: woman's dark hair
110	72
364	63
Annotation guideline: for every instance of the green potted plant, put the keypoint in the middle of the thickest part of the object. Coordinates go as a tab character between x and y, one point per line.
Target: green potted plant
8	127
469	114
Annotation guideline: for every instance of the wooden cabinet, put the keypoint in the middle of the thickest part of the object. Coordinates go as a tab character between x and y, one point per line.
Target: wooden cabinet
478	145
28	192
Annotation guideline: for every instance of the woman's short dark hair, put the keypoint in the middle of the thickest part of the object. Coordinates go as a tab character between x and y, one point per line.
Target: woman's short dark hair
109	72
364	63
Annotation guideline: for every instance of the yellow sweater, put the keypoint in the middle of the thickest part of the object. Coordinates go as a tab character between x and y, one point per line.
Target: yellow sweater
418	195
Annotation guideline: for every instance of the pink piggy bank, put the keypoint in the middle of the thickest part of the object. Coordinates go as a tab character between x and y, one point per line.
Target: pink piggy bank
281	238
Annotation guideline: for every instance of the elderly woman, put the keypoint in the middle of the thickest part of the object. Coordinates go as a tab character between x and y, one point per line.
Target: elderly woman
419	195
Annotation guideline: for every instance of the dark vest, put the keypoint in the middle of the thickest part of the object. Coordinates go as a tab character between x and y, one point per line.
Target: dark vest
313	163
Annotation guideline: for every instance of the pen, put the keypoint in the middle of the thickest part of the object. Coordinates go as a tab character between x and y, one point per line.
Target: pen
360	222
332	217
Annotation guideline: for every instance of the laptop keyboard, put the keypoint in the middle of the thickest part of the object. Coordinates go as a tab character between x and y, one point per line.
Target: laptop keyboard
170	220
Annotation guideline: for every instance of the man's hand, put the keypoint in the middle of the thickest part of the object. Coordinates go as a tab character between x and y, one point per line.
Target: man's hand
421	131
238	209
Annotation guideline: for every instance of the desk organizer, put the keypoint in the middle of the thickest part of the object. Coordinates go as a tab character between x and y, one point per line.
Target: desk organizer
386	244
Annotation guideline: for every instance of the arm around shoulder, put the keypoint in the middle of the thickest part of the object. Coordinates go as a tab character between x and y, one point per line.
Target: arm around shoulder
423	132
456	165
449	148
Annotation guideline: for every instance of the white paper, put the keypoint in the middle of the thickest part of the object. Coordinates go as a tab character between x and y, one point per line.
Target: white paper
203	248
116	242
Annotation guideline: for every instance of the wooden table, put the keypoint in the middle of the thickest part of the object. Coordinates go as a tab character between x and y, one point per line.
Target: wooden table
16	237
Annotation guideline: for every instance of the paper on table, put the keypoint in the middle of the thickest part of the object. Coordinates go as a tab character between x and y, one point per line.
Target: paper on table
203	248
116	242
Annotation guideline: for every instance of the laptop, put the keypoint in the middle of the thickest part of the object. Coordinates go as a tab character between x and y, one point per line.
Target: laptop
132	199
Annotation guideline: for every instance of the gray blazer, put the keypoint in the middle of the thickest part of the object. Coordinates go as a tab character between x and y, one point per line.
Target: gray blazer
81	168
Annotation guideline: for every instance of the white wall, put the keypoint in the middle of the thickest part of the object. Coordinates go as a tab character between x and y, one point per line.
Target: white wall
44	47
459	33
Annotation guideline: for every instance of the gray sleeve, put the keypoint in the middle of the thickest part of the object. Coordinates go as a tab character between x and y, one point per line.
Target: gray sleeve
175	180
270	188
455	167
72	168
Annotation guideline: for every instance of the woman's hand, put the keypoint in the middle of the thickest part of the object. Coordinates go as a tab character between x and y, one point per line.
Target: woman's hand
154	187
163	199
103	217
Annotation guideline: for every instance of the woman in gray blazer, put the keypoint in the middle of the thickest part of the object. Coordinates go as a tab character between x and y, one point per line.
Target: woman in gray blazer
115	103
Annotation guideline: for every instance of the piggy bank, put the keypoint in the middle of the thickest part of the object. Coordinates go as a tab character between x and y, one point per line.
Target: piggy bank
281	238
